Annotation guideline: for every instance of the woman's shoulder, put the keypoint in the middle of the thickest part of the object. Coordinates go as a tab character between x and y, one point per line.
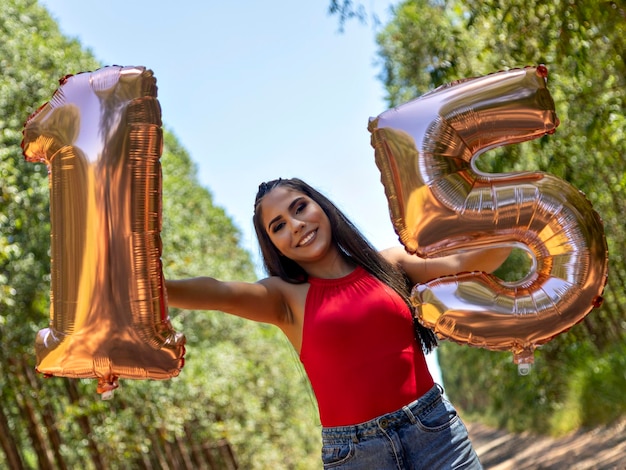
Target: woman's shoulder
293	300
276	282
395	255
293	294
412	265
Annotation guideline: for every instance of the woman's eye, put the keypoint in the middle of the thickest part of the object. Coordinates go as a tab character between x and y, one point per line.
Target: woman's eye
278	226
300	207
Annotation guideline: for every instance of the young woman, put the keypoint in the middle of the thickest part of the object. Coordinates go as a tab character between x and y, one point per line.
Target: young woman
345	308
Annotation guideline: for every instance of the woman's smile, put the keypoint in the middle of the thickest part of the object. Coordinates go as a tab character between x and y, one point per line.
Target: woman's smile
308	238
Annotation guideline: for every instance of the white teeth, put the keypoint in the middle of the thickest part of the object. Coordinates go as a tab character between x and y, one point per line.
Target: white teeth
307	239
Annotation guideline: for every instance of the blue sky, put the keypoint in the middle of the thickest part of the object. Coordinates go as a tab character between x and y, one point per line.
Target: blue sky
255	90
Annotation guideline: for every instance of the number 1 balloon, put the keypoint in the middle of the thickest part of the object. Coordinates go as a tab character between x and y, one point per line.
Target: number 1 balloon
100	136
441	204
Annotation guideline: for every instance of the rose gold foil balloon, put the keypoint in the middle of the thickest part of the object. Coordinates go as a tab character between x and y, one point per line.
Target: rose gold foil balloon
101	138
441	204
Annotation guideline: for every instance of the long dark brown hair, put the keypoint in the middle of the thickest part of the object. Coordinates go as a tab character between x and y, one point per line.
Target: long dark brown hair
352	244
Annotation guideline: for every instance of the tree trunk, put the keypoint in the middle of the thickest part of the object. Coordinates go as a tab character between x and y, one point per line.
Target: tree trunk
8	444
44	457
169	455
47	414
85	426
158	451
226	451
184	452
194	448
208	456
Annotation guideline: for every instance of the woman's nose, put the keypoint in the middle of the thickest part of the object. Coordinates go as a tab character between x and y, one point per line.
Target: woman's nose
297	225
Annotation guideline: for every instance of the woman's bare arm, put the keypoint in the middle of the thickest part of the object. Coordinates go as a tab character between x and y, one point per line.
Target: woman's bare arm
422	270
262	301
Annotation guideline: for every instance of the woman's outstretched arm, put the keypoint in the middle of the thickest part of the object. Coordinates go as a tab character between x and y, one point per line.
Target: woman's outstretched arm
422	270
261	301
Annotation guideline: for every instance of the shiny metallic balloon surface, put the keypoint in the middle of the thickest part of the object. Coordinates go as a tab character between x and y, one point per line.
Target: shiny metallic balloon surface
441	204
100	136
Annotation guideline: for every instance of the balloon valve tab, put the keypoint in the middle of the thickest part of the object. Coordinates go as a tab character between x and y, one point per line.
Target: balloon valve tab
542	71
524	361
106	387
524	369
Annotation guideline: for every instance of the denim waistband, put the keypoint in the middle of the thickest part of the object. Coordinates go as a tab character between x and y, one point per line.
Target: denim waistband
404	415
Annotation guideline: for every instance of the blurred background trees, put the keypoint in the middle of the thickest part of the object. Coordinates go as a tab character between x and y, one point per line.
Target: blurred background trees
241	398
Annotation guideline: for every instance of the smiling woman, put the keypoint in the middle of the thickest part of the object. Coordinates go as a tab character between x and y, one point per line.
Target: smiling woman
299	229
345	309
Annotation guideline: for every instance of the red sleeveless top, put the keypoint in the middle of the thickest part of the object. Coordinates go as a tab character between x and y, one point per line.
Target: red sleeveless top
359	349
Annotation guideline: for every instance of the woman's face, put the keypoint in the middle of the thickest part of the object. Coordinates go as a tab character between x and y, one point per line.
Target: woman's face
297	226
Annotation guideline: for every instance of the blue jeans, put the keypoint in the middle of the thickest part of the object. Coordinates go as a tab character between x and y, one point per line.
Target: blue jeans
426	434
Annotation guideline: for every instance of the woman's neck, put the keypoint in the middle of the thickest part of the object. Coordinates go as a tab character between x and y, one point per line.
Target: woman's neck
333	268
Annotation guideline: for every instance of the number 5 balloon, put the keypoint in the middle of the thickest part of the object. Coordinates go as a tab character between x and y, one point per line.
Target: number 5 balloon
440	204
100	136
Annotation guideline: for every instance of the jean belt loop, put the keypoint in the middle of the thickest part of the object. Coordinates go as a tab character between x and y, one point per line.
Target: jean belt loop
355	437
409	413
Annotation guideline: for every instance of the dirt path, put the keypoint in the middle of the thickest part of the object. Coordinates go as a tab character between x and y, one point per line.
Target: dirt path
598	449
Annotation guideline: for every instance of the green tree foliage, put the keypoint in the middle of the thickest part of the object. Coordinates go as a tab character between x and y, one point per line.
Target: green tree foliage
430	43
241	396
